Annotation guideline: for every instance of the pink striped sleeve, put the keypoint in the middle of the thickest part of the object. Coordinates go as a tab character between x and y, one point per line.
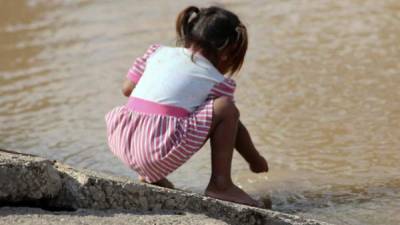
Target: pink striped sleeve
137	69
224	88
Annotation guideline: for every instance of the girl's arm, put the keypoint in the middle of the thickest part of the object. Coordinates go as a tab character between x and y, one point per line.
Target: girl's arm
127	87
136	71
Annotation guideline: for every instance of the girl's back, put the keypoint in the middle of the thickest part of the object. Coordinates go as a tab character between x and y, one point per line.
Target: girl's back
173	77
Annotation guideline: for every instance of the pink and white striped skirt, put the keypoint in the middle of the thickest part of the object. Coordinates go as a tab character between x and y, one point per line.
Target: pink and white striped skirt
154	139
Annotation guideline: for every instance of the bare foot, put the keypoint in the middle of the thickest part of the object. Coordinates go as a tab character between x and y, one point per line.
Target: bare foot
232	194
161	183
259	164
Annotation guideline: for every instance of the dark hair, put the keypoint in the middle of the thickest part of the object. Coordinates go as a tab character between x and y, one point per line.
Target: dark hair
211	31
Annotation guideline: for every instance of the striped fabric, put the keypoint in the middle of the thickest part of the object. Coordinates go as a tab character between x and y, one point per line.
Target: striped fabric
156	144
225	88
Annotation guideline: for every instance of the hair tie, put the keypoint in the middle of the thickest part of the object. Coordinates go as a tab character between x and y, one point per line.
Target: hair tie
239	30
193	15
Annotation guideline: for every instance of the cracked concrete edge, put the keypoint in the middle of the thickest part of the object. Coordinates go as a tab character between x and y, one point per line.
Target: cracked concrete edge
25	178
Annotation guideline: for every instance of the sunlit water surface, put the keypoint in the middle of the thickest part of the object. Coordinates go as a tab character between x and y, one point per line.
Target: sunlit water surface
319	92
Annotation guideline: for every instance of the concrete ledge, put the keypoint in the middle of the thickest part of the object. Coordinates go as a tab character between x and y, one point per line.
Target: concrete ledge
25	178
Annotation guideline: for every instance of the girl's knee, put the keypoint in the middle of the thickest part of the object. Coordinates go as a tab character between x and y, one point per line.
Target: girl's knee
224	106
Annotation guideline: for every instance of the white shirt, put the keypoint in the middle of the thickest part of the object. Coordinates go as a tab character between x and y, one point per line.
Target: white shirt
171	77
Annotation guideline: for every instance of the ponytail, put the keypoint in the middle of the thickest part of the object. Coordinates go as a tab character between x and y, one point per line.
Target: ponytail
239	48
184	24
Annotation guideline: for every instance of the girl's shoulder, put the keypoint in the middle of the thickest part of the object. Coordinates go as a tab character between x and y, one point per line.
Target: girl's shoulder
162	49
185	60
151	50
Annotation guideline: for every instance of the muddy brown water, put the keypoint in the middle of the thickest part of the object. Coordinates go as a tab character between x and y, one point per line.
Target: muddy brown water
319	92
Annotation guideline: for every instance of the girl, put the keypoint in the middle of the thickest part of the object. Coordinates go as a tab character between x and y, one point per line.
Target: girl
181	99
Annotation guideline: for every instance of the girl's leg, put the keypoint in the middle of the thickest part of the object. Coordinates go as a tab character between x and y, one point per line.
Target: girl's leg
244	145
223	137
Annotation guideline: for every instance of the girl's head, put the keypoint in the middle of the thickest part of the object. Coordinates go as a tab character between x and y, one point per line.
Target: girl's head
216	33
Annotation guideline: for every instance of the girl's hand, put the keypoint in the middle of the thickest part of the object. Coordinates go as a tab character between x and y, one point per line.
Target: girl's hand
128	87
259	165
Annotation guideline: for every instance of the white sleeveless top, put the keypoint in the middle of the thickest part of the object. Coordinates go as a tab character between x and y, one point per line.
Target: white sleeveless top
169	76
